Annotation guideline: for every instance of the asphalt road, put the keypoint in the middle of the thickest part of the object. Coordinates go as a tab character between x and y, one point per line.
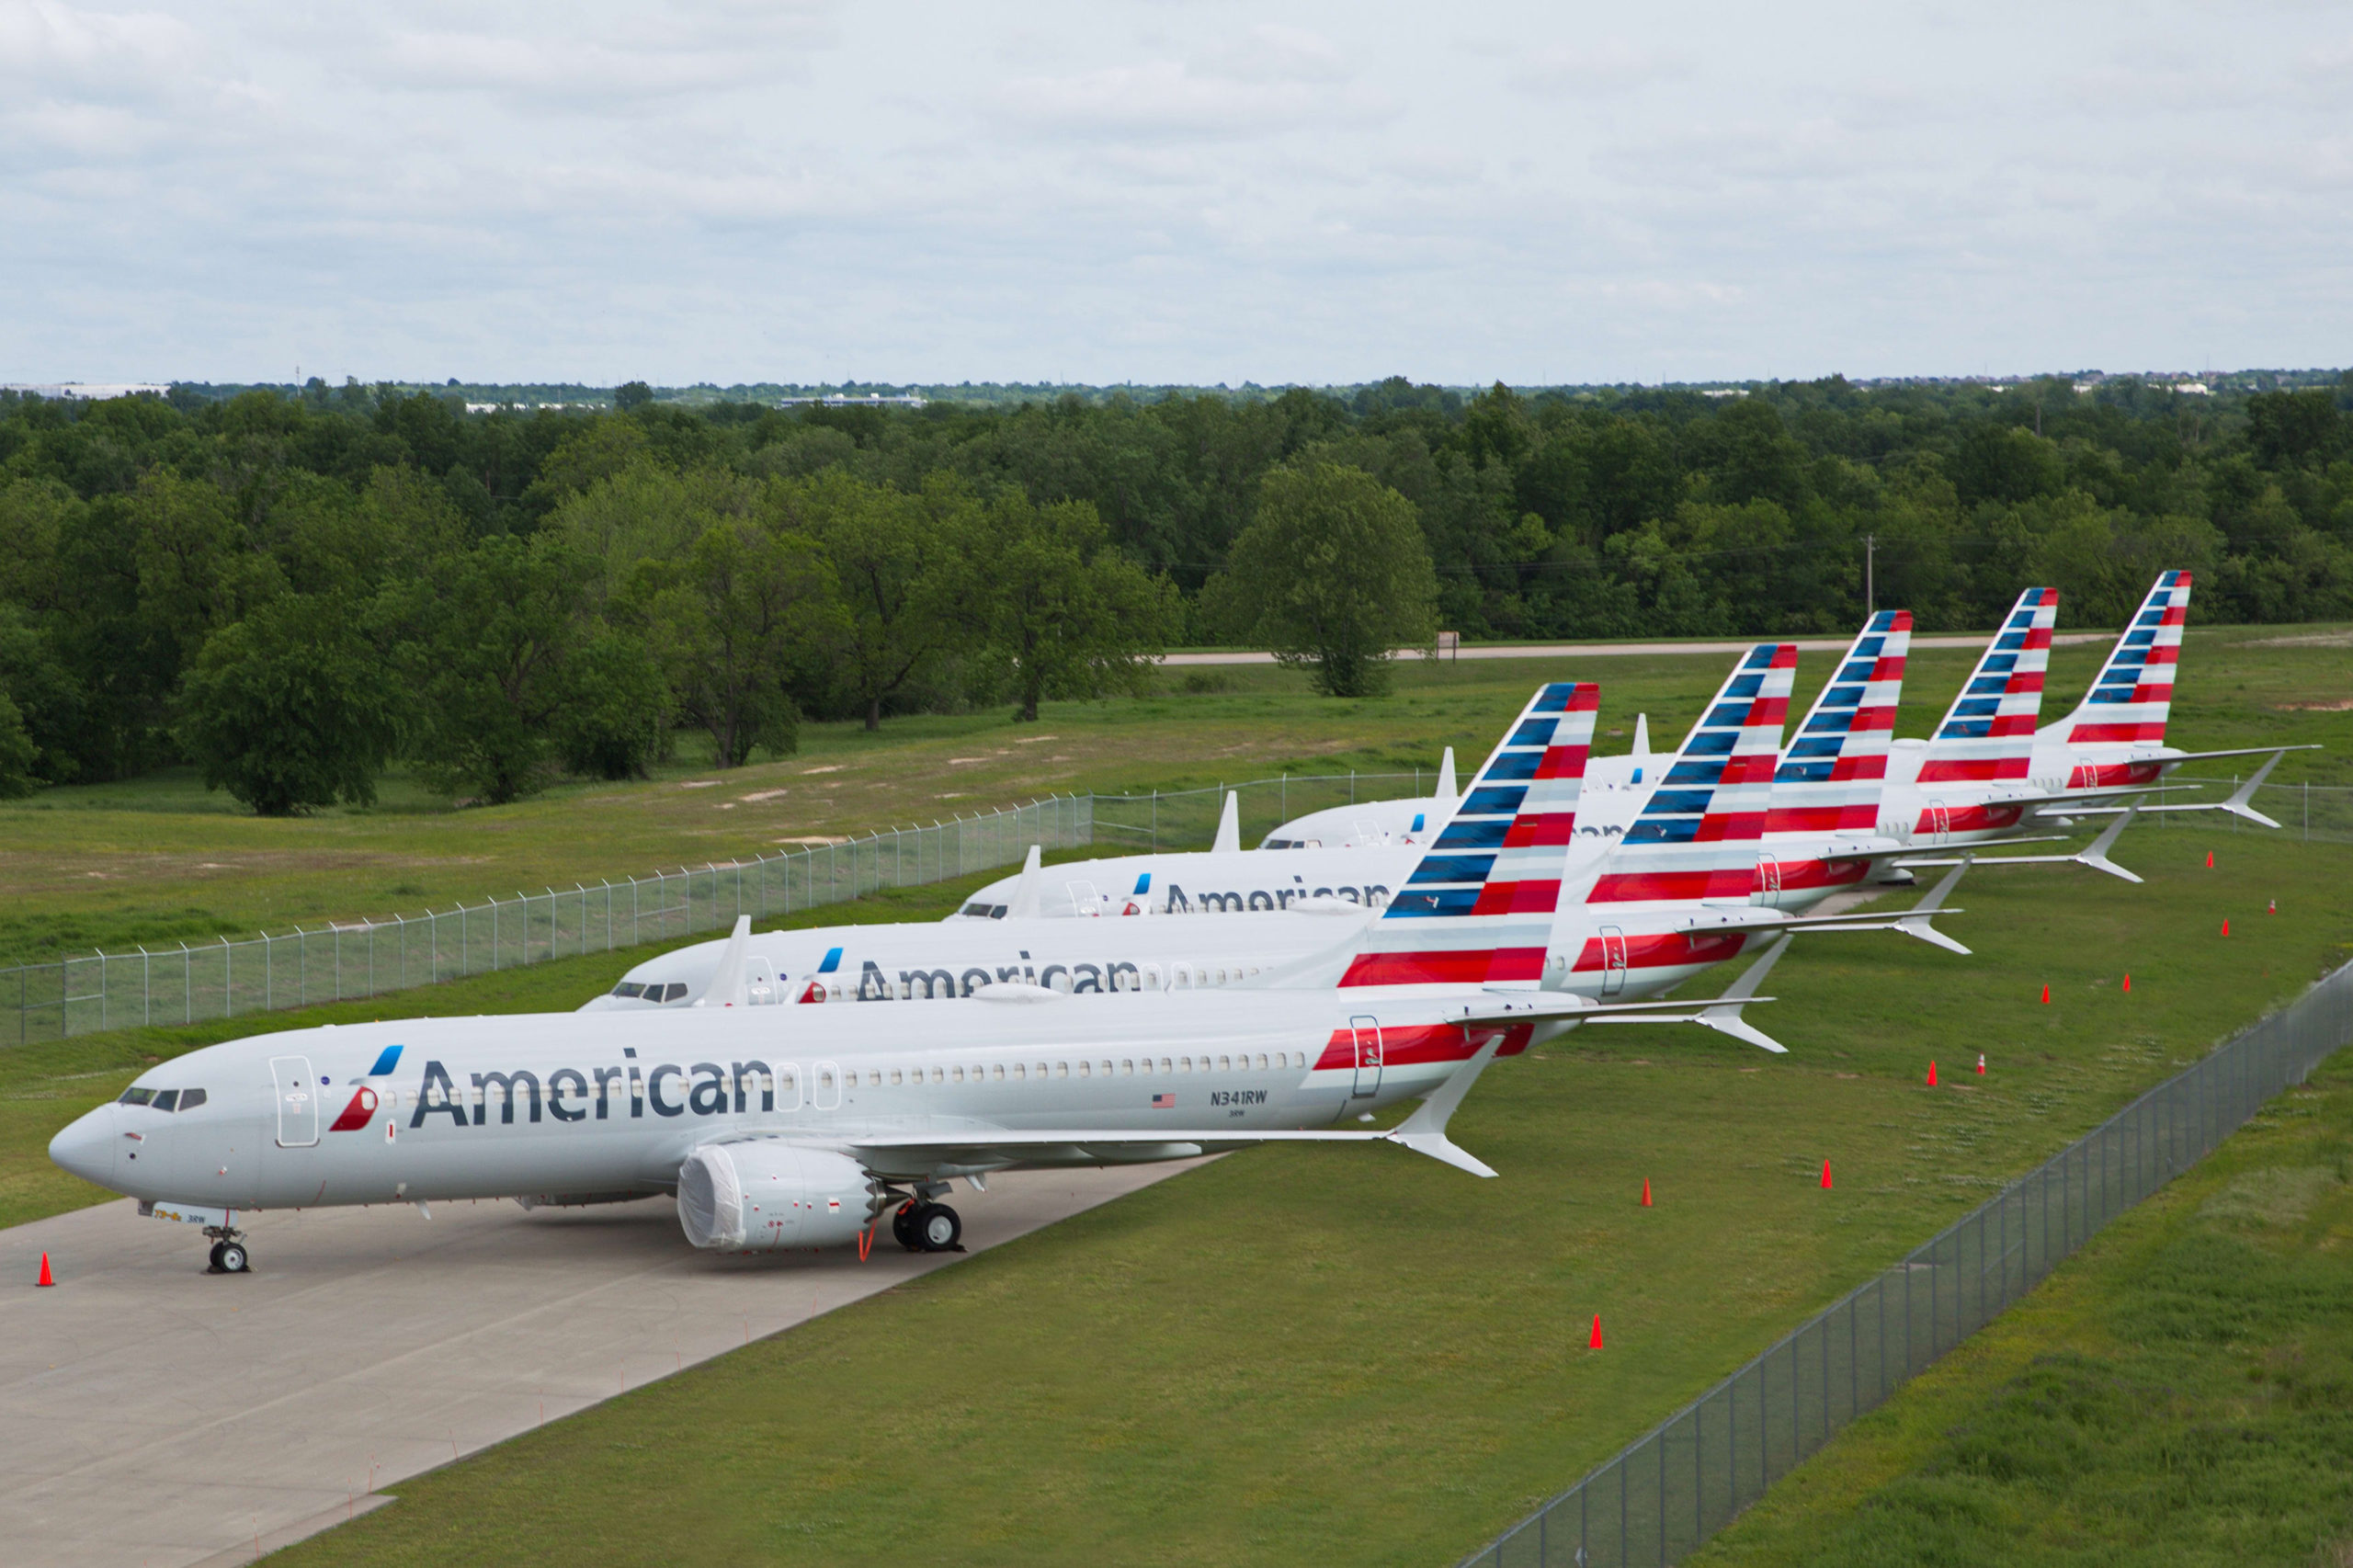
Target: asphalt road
1620	650
154	1414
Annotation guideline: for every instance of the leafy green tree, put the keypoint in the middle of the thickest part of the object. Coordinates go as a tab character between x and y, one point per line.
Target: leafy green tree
1066	615
612	719
492	637
899	564
1333	575
630	396
17	752
730	623
290	708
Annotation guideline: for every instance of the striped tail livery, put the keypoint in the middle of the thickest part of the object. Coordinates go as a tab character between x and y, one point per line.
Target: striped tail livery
2128	704
1988	735
1478	908
1828	781
1696	836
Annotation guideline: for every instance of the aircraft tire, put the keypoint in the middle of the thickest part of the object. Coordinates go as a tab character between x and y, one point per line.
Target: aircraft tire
937	1229
902	1227
232	1257
216	1257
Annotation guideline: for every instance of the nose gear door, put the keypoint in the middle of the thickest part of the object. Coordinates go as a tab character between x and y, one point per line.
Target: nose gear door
298	1102
1368	1037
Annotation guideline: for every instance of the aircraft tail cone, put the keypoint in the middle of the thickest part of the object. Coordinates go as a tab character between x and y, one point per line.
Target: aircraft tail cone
46	1276
1594	1343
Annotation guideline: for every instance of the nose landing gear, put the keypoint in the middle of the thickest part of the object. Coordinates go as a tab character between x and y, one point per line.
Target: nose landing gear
228	1255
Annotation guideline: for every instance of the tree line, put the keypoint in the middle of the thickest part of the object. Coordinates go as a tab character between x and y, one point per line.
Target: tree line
290	592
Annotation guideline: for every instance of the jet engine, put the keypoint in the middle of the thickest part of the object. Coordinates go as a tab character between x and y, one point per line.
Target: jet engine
765	1196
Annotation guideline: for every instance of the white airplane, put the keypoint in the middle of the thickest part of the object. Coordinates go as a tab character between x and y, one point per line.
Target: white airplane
1378	825
1823	845
1640	913
801	1127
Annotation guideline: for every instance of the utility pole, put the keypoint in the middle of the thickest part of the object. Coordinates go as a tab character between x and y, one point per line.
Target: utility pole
1871	584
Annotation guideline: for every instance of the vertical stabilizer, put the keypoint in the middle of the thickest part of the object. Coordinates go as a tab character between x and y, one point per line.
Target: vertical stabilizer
1829	779
1446	790
1988	735
2128	704
1696	836
1229	826
1027	893
1477	910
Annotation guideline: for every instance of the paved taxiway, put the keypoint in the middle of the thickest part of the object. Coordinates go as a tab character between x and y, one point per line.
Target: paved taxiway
150	1414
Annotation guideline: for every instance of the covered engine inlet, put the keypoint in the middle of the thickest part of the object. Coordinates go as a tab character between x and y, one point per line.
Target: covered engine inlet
765	1195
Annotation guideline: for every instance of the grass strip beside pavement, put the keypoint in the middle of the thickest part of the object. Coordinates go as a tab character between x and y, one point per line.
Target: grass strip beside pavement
2179	1393
1356	1355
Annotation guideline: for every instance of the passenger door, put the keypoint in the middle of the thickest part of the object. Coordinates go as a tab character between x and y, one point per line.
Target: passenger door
298	1102
1367	1041
1613	961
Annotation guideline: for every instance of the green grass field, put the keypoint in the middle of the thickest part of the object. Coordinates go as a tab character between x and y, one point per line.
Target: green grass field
159	860
1291	1354
1355	1356
2180	1392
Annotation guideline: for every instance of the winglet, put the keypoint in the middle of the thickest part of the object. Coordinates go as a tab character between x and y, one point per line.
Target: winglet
1642	752
1229	826
1446	790
1724	1018
726	987
1027	893
2095	854
1425	1130
1914	922
2237	804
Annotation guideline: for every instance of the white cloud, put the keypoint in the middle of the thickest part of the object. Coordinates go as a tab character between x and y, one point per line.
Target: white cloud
740	189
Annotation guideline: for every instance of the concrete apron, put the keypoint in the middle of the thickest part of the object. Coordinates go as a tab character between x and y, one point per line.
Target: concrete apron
152	1414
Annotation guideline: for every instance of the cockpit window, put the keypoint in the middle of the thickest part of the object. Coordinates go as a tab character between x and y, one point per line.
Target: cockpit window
137	1097
167	1099
678	991
629	988
191	1099
979	910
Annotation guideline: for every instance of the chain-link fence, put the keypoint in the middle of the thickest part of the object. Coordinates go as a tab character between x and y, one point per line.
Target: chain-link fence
346	959
364	958
1661	1499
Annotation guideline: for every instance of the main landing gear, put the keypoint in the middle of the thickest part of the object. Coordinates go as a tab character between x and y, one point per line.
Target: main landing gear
228	1250
921	1225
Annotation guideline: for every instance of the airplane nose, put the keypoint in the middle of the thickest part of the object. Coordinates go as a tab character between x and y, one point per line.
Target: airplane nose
87	1148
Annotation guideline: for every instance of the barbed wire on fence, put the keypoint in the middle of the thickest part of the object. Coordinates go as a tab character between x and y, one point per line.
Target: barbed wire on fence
1663	1496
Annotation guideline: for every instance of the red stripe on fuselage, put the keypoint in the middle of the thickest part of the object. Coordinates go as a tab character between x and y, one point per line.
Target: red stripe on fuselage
1796	876
2111	735
1644	887
1969	819
1476	966
1972	772
1667	950
1518	898
2100	776
1822	819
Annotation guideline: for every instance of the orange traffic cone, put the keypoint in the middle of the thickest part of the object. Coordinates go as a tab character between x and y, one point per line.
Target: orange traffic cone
2128	983
2209	859
1594	1343
1826	1176
46	1276
2226	928
1646	1192
1981	1064
2046	993
1932	1074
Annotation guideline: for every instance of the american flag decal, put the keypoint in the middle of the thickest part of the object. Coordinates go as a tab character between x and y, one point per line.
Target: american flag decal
1164	1102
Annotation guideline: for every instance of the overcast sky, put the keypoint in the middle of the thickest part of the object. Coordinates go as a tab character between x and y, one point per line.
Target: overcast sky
760	189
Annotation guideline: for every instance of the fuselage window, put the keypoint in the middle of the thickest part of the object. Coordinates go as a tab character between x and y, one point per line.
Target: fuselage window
894	1077
1041	1068
1262	1061
1166	1066
1019	1071
137	1097
874	1078
997	1072
1184	1064
939	1075
956	1074
1225	1064
1127	1068
1061	1069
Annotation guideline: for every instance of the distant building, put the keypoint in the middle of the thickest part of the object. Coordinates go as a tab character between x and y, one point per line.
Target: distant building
844	400
2197	389
92	390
